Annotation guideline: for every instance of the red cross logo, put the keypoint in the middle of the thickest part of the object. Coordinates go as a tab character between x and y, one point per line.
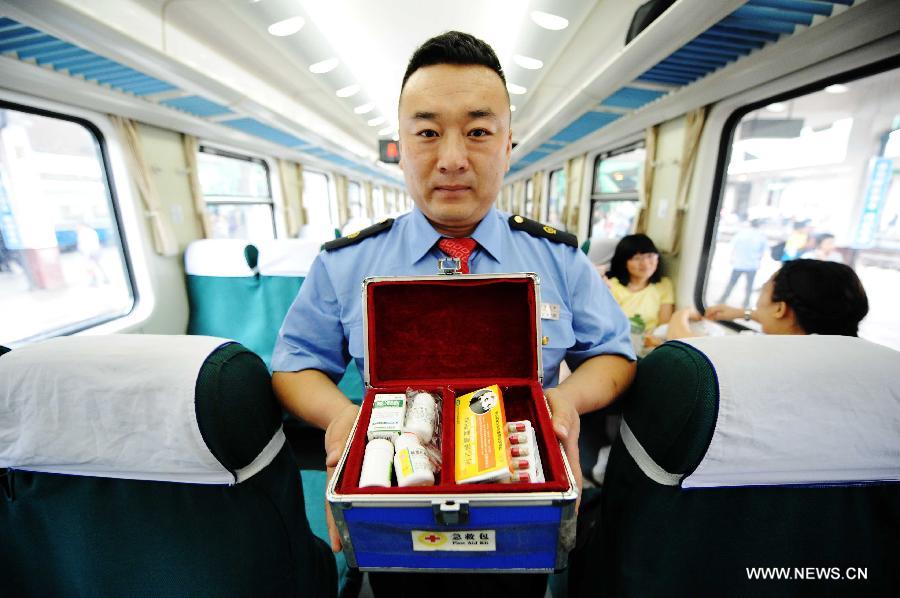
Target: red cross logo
432	538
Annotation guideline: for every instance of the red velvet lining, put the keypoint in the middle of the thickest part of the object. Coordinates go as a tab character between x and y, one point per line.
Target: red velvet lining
429	332
522	399
452	337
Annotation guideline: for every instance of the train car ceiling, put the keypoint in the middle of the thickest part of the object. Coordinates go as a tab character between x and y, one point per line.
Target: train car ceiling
52	37
658	70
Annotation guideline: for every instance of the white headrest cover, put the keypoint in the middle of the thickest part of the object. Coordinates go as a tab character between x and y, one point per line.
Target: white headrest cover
119	406
217	257
287	257
801	410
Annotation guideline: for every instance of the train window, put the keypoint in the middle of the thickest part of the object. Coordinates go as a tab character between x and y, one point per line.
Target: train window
615	195
317	201
63	265
556	198
528	208
355	200
815	176
378	201
237	193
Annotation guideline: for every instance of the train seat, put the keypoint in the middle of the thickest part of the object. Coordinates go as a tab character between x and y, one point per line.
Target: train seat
242	291
149	465
744	452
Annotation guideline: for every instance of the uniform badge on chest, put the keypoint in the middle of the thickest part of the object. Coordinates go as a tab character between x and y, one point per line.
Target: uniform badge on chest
549	311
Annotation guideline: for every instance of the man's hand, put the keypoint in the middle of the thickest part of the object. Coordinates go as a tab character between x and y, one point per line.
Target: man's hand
567	427
336	435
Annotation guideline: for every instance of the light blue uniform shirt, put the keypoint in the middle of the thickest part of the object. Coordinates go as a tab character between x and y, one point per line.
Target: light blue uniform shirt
323	329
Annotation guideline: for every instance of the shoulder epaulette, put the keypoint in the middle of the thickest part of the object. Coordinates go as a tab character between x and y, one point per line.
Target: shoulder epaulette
359	235
536	229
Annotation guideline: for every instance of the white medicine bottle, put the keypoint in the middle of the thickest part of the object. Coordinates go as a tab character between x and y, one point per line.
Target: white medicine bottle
420	417
376	467
411	464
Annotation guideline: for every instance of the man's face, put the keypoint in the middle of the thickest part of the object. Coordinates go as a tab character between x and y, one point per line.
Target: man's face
455	143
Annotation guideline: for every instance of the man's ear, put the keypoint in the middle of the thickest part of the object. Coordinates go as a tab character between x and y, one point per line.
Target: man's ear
508	150
781	310
400	151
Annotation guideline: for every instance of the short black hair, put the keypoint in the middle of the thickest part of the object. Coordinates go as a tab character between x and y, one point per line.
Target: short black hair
823	237
629	246
827	297
453	47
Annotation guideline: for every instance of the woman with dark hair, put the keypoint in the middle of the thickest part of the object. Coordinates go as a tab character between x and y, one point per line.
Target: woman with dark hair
803	297
639	288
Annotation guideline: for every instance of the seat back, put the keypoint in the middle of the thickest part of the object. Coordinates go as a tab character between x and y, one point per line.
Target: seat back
149	465
242	291
744	452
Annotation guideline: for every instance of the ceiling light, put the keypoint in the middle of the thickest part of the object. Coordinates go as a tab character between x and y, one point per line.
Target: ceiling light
287	26
837	88
346	92
526	62
512	107
374	122
548	21
386	131
776	107
325	66
516	89
364	108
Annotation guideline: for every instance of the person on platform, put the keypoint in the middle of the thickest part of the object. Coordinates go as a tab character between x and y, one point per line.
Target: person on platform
747	249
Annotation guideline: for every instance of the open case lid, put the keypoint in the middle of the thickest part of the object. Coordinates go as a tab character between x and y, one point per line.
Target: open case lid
428	329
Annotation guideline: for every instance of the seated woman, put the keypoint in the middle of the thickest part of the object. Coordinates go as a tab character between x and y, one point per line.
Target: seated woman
634	278
803	297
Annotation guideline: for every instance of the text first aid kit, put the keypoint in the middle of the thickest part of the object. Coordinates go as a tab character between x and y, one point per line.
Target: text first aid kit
452	464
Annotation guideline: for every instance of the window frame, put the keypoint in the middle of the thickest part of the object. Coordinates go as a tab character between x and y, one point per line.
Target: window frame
596	196
723	158
545	214
115	213
360	197
329	196
213	149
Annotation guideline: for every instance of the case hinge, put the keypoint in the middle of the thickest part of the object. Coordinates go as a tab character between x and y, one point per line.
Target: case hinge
451	512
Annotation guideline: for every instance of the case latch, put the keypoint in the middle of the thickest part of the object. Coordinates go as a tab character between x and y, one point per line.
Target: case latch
449	265
451	512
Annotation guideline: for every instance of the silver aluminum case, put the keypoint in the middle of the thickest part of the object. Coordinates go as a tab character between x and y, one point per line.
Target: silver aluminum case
340	502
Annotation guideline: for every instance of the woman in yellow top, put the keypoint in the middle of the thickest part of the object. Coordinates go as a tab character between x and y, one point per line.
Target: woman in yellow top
634	278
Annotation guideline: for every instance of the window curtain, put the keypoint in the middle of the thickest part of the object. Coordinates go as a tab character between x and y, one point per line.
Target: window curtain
291	176
574	192
368	204
694	123
518	197
537	196
650	140
340	194
503	199
162	234
191	148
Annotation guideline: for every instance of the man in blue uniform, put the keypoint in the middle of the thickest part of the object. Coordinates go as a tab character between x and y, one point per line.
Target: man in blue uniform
455	145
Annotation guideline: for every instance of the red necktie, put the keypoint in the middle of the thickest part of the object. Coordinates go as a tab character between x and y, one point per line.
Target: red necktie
459	248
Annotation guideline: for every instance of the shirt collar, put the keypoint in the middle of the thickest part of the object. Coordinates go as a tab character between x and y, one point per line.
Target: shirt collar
422	236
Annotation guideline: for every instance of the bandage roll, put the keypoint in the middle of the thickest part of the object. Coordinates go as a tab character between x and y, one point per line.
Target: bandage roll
376	467
420	417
